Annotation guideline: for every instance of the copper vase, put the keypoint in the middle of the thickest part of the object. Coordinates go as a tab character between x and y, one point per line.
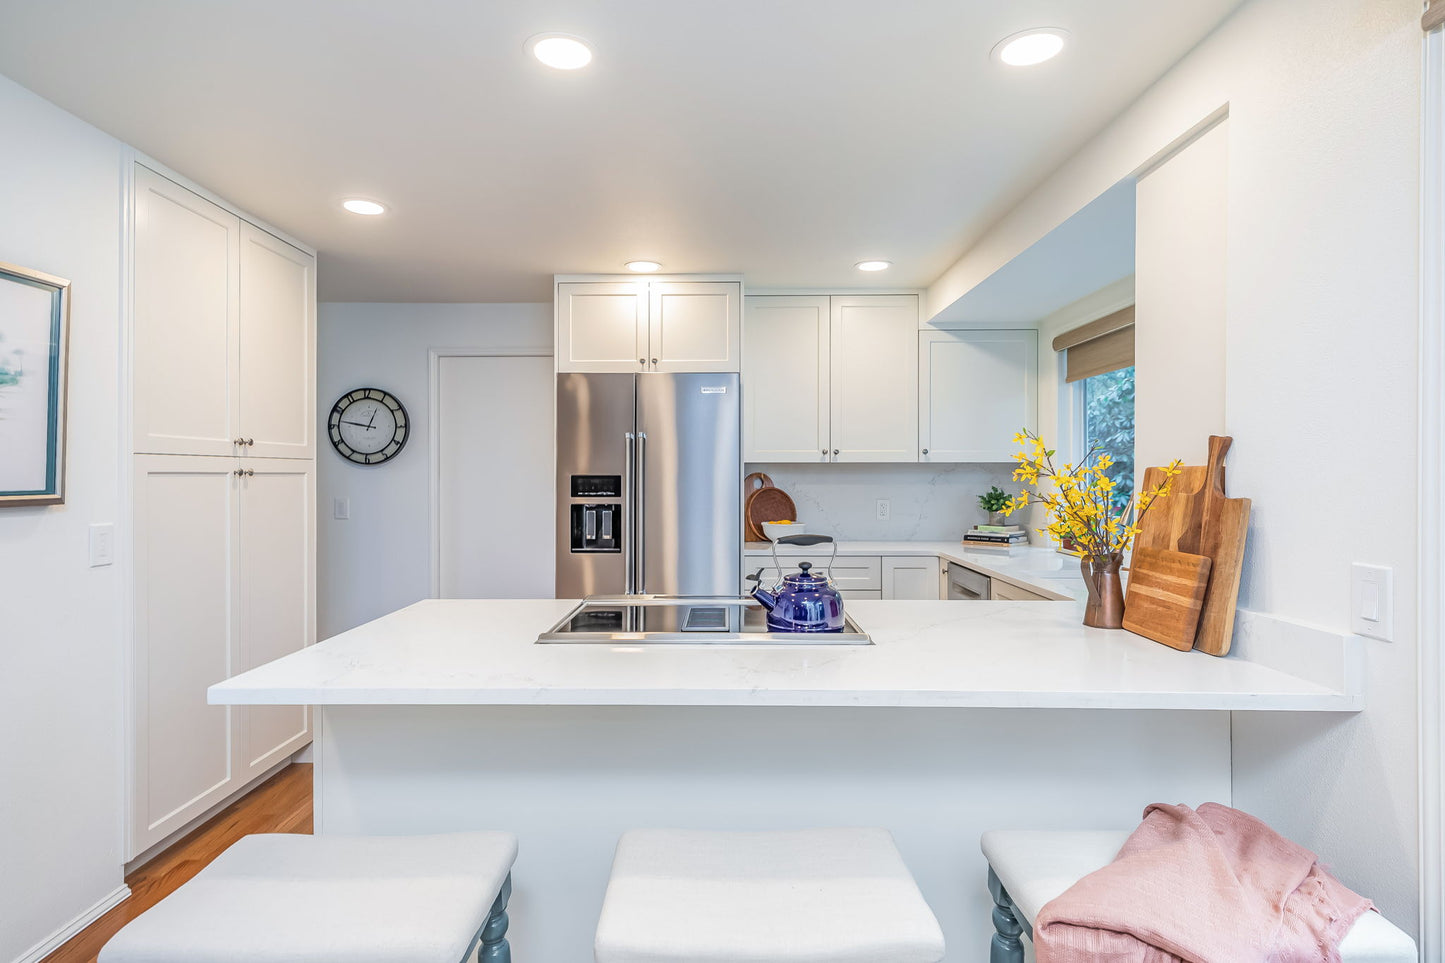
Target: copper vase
1105	609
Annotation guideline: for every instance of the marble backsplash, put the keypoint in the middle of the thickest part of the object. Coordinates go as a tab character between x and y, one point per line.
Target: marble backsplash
925	501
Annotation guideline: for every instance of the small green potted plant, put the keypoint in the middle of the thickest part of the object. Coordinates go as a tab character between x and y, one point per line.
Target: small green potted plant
994	501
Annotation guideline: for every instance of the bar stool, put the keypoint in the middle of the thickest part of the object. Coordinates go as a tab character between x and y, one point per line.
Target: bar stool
815	896
334	899
1027	869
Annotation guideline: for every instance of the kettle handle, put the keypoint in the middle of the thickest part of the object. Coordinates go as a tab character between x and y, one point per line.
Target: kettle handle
805	541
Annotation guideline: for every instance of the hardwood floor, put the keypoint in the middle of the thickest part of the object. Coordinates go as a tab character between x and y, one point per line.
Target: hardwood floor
281	804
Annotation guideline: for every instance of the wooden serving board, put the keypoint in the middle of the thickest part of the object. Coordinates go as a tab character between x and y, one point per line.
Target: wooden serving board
1198	519
1166	595
770	505
753	484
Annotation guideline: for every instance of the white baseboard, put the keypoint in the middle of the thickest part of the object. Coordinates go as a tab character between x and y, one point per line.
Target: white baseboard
53	942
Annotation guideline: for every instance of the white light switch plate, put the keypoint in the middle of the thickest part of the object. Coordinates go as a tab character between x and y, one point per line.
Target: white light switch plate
102	544
341	508
1372	601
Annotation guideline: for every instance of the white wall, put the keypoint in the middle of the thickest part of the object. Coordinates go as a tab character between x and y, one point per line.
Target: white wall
380	559
61	788
925	501
1321	288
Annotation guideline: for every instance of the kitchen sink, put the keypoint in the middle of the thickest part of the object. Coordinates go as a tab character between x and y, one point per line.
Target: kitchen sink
673	620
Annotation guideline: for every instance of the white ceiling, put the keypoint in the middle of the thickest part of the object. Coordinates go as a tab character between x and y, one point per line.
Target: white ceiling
784	139
1089	251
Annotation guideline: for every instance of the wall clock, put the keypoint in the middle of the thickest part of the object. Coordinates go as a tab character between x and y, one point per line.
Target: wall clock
368	426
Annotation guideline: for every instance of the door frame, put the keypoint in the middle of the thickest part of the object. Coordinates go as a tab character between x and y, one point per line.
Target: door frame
434	477
1431	546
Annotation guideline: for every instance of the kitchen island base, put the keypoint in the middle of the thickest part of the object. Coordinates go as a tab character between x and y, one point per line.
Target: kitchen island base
569	780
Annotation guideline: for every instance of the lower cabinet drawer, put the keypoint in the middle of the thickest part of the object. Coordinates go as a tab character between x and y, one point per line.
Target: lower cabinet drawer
860	594
850	572
1009	592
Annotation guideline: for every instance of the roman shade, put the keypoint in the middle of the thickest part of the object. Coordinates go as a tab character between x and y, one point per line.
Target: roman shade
1434	15
1100	346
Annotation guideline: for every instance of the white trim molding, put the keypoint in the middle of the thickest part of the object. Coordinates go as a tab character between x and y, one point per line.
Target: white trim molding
1432	500
59	938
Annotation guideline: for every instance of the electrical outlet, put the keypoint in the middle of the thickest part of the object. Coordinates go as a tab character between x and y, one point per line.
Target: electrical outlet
102	544
1372	601
883	508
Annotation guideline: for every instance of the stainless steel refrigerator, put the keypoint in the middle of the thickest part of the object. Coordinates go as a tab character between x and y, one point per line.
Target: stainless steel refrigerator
649	484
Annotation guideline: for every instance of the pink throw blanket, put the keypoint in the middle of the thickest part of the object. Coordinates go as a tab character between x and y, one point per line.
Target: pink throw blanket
1209	886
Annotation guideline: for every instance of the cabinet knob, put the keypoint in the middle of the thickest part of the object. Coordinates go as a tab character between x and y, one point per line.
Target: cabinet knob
654	361
835	452
925	451
642	361
823	452
239	442
239	472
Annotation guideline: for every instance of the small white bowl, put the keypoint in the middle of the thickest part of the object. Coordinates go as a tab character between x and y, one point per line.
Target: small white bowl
775	531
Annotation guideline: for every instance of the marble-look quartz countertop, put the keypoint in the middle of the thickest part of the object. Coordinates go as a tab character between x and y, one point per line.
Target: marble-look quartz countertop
1043	570
949	654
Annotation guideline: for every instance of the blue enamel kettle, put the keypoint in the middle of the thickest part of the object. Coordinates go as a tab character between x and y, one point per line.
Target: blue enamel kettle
802	601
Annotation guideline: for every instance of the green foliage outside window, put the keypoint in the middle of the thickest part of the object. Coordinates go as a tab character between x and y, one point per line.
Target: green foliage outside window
1109	425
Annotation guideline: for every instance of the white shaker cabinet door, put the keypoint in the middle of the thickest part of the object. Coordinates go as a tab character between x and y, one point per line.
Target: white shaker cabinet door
907	577
875	378
976	390
277	347
185	629
602	326
185	328
276	599
695	326
786	379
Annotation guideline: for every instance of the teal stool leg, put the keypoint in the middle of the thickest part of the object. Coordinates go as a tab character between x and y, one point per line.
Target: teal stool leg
495	948
1006	947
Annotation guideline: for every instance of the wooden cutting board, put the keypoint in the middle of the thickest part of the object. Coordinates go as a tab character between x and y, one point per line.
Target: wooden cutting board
770	505
753	484
1161	523
1166	595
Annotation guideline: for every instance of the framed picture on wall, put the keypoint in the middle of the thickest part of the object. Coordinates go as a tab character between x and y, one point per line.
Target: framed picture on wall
34	326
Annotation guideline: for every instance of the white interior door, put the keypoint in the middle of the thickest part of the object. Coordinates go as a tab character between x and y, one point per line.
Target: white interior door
277	597
184	630
494	459
276	380
186	254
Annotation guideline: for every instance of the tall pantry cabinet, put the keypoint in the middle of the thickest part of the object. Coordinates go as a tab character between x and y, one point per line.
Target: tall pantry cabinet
223	383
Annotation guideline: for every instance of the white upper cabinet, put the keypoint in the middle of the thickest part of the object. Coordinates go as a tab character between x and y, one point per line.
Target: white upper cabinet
602	326
649	325
976	390
276	387
874	355
695	326
186	305
224	331
786	374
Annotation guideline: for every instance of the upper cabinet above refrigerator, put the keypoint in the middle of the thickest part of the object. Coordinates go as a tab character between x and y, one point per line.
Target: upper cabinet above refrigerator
652	324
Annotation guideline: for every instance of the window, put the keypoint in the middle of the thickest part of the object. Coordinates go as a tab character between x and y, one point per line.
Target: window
1108	408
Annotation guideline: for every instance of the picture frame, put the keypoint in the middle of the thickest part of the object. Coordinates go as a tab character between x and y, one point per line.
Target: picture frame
34	344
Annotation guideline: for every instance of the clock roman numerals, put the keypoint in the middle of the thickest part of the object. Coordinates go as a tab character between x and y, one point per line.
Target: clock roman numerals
368	426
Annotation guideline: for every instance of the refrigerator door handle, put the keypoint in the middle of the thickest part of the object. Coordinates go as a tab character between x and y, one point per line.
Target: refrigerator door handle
640	579
629	526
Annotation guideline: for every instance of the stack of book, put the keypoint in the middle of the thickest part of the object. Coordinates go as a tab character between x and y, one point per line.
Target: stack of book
997	535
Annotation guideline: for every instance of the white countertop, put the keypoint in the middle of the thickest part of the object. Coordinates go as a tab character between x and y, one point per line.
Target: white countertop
1036	568
962	654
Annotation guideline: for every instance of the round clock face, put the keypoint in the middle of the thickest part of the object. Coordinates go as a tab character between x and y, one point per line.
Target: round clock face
368	426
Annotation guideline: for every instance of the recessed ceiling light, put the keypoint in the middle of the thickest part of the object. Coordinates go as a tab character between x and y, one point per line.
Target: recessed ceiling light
1030	47
643	267
357	205
873	265
560	50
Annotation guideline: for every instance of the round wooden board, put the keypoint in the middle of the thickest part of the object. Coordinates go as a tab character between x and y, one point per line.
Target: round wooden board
770	505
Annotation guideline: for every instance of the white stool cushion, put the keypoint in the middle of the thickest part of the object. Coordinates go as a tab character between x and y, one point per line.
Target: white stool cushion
327	899
814	896
1036	866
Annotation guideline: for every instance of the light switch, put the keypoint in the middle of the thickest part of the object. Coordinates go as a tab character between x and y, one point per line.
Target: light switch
1372	601
341	508
102	544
